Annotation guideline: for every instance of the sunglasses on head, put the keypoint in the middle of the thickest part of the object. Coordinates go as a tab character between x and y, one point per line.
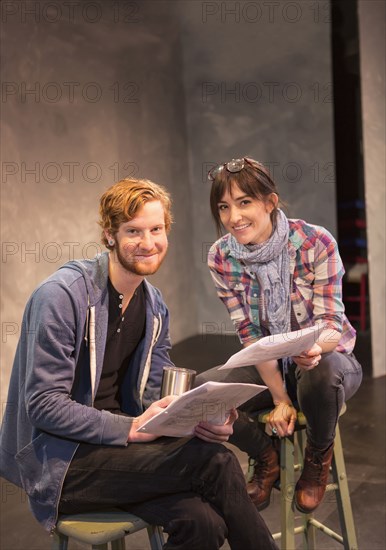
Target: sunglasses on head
233	166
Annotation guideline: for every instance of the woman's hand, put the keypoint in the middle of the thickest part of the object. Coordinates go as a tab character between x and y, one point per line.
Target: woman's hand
309	359
155	408
282	419
216	433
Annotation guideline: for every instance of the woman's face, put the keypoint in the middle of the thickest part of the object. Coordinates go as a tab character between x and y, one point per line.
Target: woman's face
246	218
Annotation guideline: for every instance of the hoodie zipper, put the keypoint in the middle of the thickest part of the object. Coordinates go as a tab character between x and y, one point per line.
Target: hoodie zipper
157	327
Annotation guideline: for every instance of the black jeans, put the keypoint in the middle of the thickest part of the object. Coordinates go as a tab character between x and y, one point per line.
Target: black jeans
319	393
195	490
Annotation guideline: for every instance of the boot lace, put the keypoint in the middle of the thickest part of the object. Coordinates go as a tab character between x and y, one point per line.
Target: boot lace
260	469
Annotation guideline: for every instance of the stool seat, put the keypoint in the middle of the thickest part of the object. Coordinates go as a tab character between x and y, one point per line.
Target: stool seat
103	527
100	527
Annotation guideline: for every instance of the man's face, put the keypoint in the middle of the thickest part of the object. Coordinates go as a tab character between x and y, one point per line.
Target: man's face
141	244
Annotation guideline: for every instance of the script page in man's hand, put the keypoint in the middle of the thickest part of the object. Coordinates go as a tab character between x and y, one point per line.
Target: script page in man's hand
210	402
275	346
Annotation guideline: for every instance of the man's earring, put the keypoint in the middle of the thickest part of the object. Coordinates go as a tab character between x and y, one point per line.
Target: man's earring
111	242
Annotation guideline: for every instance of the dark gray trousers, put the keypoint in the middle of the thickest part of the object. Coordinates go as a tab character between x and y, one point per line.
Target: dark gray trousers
195	490
319	393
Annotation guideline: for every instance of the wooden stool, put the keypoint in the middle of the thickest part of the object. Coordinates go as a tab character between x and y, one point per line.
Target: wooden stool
100	528
291	447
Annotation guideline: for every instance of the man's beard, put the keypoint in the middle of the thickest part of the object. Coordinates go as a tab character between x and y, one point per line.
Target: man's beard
129	263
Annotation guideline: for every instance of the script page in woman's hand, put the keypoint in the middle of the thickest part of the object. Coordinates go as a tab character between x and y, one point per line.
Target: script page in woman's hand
275	346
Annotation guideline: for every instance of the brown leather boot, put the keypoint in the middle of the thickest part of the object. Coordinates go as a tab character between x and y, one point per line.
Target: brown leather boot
266	472
311	486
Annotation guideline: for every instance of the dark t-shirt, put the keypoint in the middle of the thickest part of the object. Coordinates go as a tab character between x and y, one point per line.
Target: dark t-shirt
124	333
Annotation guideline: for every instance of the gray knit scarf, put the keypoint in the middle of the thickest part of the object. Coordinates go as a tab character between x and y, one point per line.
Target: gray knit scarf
269	263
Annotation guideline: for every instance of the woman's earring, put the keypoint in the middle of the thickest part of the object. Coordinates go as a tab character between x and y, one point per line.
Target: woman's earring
111	242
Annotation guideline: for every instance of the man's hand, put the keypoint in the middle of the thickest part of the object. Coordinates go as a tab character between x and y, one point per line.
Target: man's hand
309	359
155	408
216	433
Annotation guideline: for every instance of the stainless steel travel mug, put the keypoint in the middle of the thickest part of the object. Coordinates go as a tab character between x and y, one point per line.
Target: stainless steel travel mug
176	381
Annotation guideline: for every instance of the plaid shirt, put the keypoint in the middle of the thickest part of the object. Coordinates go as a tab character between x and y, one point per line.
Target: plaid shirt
316	285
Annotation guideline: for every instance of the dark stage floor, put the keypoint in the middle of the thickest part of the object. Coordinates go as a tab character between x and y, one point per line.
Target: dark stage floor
363	435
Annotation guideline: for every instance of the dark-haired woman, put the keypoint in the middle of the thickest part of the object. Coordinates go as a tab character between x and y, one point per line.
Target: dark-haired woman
275	275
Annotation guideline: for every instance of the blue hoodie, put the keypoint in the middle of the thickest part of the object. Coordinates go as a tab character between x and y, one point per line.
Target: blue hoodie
56	372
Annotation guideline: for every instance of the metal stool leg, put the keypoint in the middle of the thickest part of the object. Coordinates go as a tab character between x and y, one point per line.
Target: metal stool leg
59	541
308	534
343	496
118	544
287	484
156	537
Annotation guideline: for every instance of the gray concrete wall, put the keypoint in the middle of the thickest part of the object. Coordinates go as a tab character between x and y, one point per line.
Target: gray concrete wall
160	90
258	82
108	103
372	59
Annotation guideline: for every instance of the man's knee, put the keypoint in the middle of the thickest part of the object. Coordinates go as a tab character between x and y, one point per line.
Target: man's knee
221	477
216	460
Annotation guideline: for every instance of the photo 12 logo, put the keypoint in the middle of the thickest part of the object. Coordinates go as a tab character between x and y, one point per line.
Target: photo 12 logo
65	172
69	11
290	172
265	92
71	92
265	12
49	252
